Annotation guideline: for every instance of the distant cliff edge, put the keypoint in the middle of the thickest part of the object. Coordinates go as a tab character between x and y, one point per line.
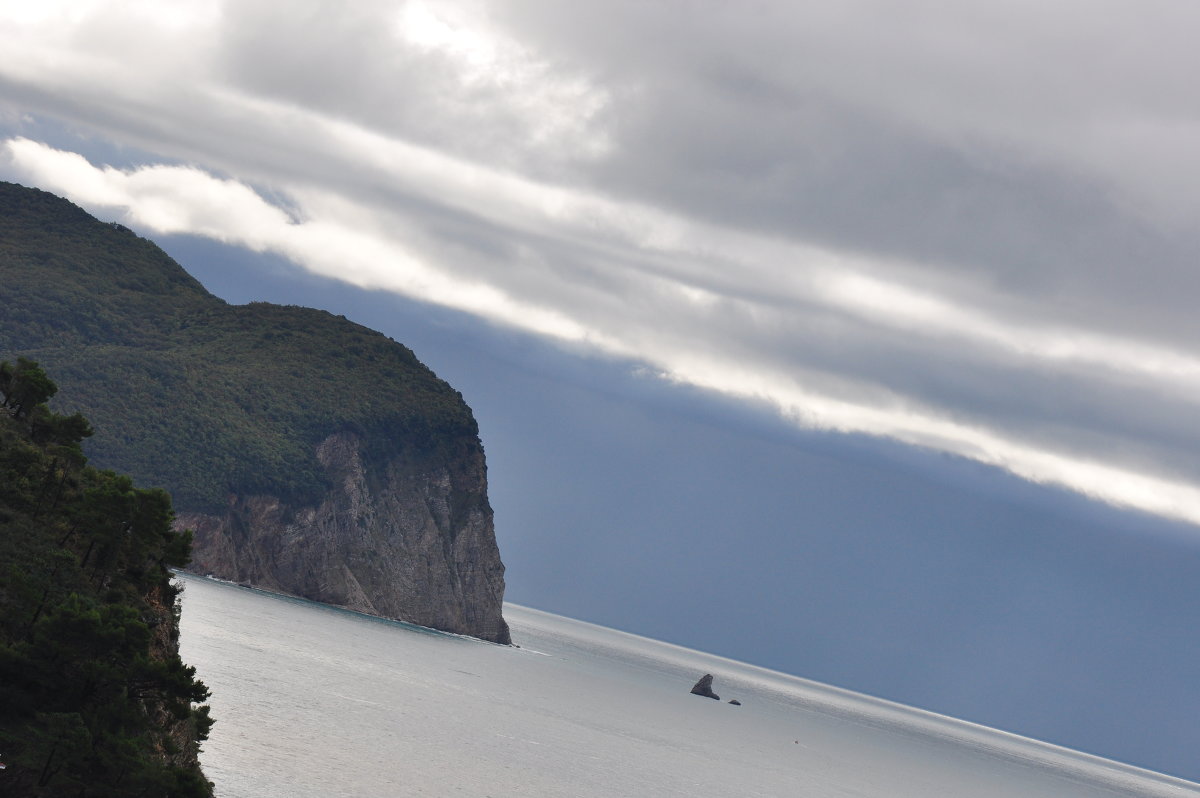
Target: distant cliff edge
404	537
311	455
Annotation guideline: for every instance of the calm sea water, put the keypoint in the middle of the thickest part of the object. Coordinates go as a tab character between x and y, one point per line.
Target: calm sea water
315	701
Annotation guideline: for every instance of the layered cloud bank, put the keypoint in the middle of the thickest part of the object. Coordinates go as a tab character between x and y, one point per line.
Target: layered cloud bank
963	229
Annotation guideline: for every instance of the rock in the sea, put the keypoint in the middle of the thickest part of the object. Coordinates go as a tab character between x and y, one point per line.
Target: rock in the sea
735	702
704	687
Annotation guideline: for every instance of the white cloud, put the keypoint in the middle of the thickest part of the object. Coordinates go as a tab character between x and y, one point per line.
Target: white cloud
893	305
687	323
558	109
342	242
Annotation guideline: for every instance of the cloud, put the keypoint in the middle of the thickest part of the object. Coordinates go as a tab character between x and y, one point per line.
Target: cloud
341	239
957	228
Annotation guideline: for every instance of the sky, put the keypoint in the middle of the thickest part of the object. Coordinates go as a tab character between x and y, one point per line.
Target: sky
850	338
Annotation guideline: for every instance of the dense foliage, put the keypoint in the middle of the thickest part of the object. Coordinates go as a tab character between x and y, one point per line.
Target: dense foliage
94	700
239	395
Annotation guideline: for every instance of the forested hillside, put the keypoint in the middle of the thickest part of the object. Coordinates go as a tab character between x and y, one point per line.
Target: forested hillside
242	394
94	700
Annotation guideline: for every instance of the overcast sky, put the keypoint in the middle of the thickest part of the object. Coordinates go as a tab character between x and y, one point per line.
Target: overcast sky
962	228
965	226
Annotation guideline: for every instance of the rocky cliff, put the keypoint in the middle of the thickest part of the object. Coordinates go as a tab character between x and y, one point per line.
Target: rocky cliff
313	456
406	538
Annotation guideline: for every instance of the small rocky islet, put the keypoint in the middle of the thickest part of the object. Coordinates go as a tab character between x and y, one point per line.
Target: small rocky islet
703	687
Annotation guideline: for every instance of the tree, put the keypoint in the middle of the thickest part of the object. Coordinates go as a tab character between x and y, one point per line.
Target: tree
24	387
94	699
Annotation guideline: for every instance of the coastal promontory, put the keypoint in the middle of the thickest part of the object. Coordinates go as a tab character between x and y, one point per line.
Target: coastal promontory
311	456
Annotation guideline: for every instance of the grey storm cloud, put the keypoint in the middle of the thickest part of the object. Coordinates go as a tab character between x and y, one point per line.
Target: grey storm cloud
1042	146
960	226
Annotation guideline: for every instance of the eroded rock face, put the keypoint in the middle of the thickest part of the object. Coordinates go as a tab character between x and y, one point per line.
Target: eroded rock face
410	538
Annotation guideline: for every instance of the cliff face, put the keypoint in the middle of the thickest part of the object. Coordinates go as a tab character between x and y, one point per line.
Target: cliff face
408	538
179	747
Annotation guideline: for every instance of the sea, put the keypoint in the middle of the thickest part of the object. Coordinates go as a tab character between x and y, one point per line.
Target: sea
312	700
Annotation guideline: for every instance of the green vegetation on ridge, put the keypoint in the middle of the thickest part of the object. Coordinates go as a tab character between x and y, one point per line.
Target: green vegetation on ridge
188	392
94	700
